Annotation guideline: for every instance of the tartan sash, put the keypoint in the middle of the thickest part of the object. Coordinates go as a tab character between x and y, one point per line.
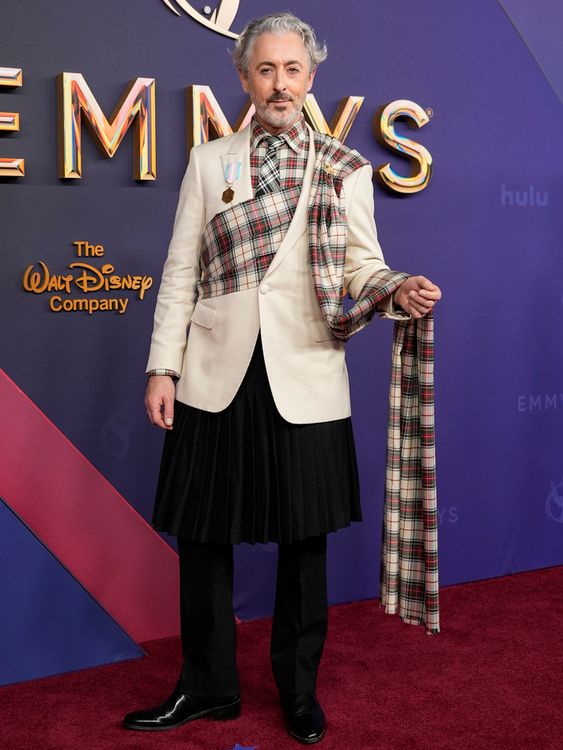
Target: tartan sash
327	242
240	242
409	554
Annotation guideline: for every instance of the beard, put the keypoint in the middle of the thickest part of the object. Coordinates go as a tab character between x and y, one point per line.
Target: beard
282	119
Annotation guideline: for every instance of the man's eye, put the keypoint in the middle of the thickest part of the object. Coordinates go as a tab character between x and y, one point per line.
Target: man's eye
263	71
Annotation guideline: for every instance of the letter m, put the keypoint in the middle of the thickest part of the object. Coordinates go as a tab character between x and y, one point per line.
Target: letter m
535	403
550	401
136	107
206	120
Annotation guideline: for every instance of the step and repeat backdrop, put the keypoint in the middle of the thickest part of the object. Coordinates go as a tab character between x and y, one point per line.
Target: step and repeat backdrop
457	106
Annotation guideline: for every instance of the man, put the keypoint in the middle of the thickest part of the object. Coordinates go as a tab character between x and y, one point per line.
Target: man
272	224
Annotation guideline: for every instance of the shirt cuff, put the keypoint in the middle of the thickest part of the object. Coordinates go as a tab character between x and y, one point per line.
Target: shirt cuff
163	371
388	309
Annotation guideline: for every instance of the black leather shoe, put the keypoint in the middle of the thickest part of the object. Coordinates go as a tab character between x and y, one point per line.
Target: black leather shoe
182	707
304	718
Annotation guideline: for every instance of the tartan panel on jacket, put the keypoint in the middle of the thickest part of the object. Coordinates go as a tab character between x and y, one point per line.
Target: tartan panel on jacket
409	555
240	242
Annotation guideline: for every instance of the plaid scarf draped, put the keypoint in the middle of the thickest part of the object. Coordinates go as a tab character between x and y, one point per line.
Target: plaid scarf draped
238	246
409	554
327	242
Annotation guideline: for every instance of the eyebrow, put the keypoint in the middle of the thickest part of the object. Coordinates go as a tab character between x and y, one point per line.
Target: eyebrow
290	62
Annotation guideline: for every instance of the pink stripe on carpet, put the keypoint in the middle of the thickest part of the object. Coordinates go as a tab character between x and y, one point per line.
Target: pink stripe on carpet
82	519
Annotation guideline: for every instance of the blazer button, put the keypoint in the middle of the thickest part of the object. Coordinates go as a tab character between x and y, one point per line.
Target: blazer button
264	289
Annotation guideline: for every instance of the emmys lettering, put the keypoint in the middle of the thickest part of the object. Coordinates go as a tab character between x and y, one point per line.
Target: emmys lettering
205	120
86	278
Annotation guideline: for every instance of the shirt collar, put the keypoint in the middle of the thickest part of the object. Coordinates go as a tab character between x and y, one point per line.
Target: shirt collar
296	137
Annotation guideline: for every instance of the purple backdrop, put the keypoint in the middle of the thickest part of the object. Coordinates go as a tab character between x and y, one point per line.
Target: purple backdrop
488	230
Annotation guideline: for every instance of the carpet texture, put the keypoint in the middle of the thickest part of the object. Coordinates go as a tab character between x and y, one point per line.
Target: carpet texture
493	678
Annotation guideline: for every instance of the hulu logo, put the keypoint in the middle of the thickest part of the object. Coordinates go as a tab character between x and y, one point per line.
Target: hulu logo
526	198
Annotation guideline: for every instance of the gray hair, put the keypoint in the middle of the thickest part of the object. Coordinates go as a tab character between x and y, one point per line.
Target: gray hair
277	23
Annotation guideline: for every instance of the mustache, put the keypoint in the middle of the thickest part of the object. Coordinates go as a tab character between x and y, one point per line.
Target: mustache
280	98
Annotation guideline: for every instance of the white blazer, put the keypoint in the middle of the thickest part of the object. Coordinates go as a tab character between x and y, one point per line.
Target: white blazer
210	342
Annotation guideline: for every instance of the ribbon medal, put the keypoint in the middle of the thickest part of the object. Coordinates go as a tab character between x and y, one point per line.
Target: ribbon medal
231	172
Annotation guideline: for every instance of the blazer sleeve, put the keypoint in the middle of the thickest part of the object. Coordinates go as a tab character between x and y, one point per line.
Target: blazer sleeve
177	293
364	255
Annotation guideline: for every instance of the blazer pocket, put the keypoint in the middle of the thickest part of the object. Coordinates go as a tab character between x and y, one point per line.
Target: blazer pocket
321	332
203	315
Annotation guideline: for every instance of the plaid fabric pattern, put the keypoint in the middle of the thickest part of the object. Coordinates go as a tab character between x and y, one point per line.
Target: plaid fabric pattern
292	154
163	371
409	555
269	179
240	242
327	242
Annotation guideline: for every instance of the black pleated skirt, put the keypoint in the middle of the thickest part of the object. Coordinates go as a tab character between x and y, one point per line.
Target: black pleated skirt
246	475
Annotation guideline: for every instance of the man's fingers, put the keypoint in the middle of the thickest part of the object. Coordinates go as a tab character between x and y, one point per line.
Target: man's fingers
418	306
158	415
154	412
168	411
431	294
418	295
423	283
159	401
421	302
417	310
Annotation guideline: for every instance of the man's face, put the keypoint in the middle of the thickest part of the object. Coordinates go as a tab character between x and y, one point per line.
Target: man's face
278	79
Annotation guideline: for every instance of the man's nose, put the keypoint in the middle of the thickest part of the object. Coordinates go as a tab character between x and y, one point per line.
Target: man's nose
279	80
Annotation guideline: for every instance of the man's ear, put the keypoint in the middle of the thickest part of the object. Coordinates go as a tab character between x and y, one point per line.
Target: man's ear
311	78
243	79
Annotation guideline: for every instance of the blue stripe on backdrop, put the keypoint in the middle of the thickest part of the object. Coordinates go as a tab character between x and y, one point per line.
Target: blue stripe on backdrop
50	624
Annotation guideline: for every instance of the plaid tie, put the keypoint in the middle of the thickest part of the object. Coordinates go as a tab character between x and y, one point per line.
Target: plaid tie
269	178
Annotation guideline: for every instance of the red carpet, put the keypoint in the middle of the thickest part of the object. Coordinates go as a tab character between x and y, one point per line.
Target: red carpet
492	679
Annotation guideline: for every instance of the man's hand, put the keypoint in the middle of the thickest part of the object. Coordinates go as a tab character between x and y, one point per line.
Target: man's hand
417	296
159	401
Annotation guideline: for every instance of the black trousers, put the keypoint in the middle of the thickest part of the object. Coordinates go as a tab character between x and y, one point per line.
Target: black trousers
208	624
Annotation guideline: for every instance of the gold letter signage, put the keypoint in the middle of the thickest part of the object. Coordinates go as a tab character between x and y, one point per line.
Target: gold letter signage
341	122
205	118
388	176
137	105
10	121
